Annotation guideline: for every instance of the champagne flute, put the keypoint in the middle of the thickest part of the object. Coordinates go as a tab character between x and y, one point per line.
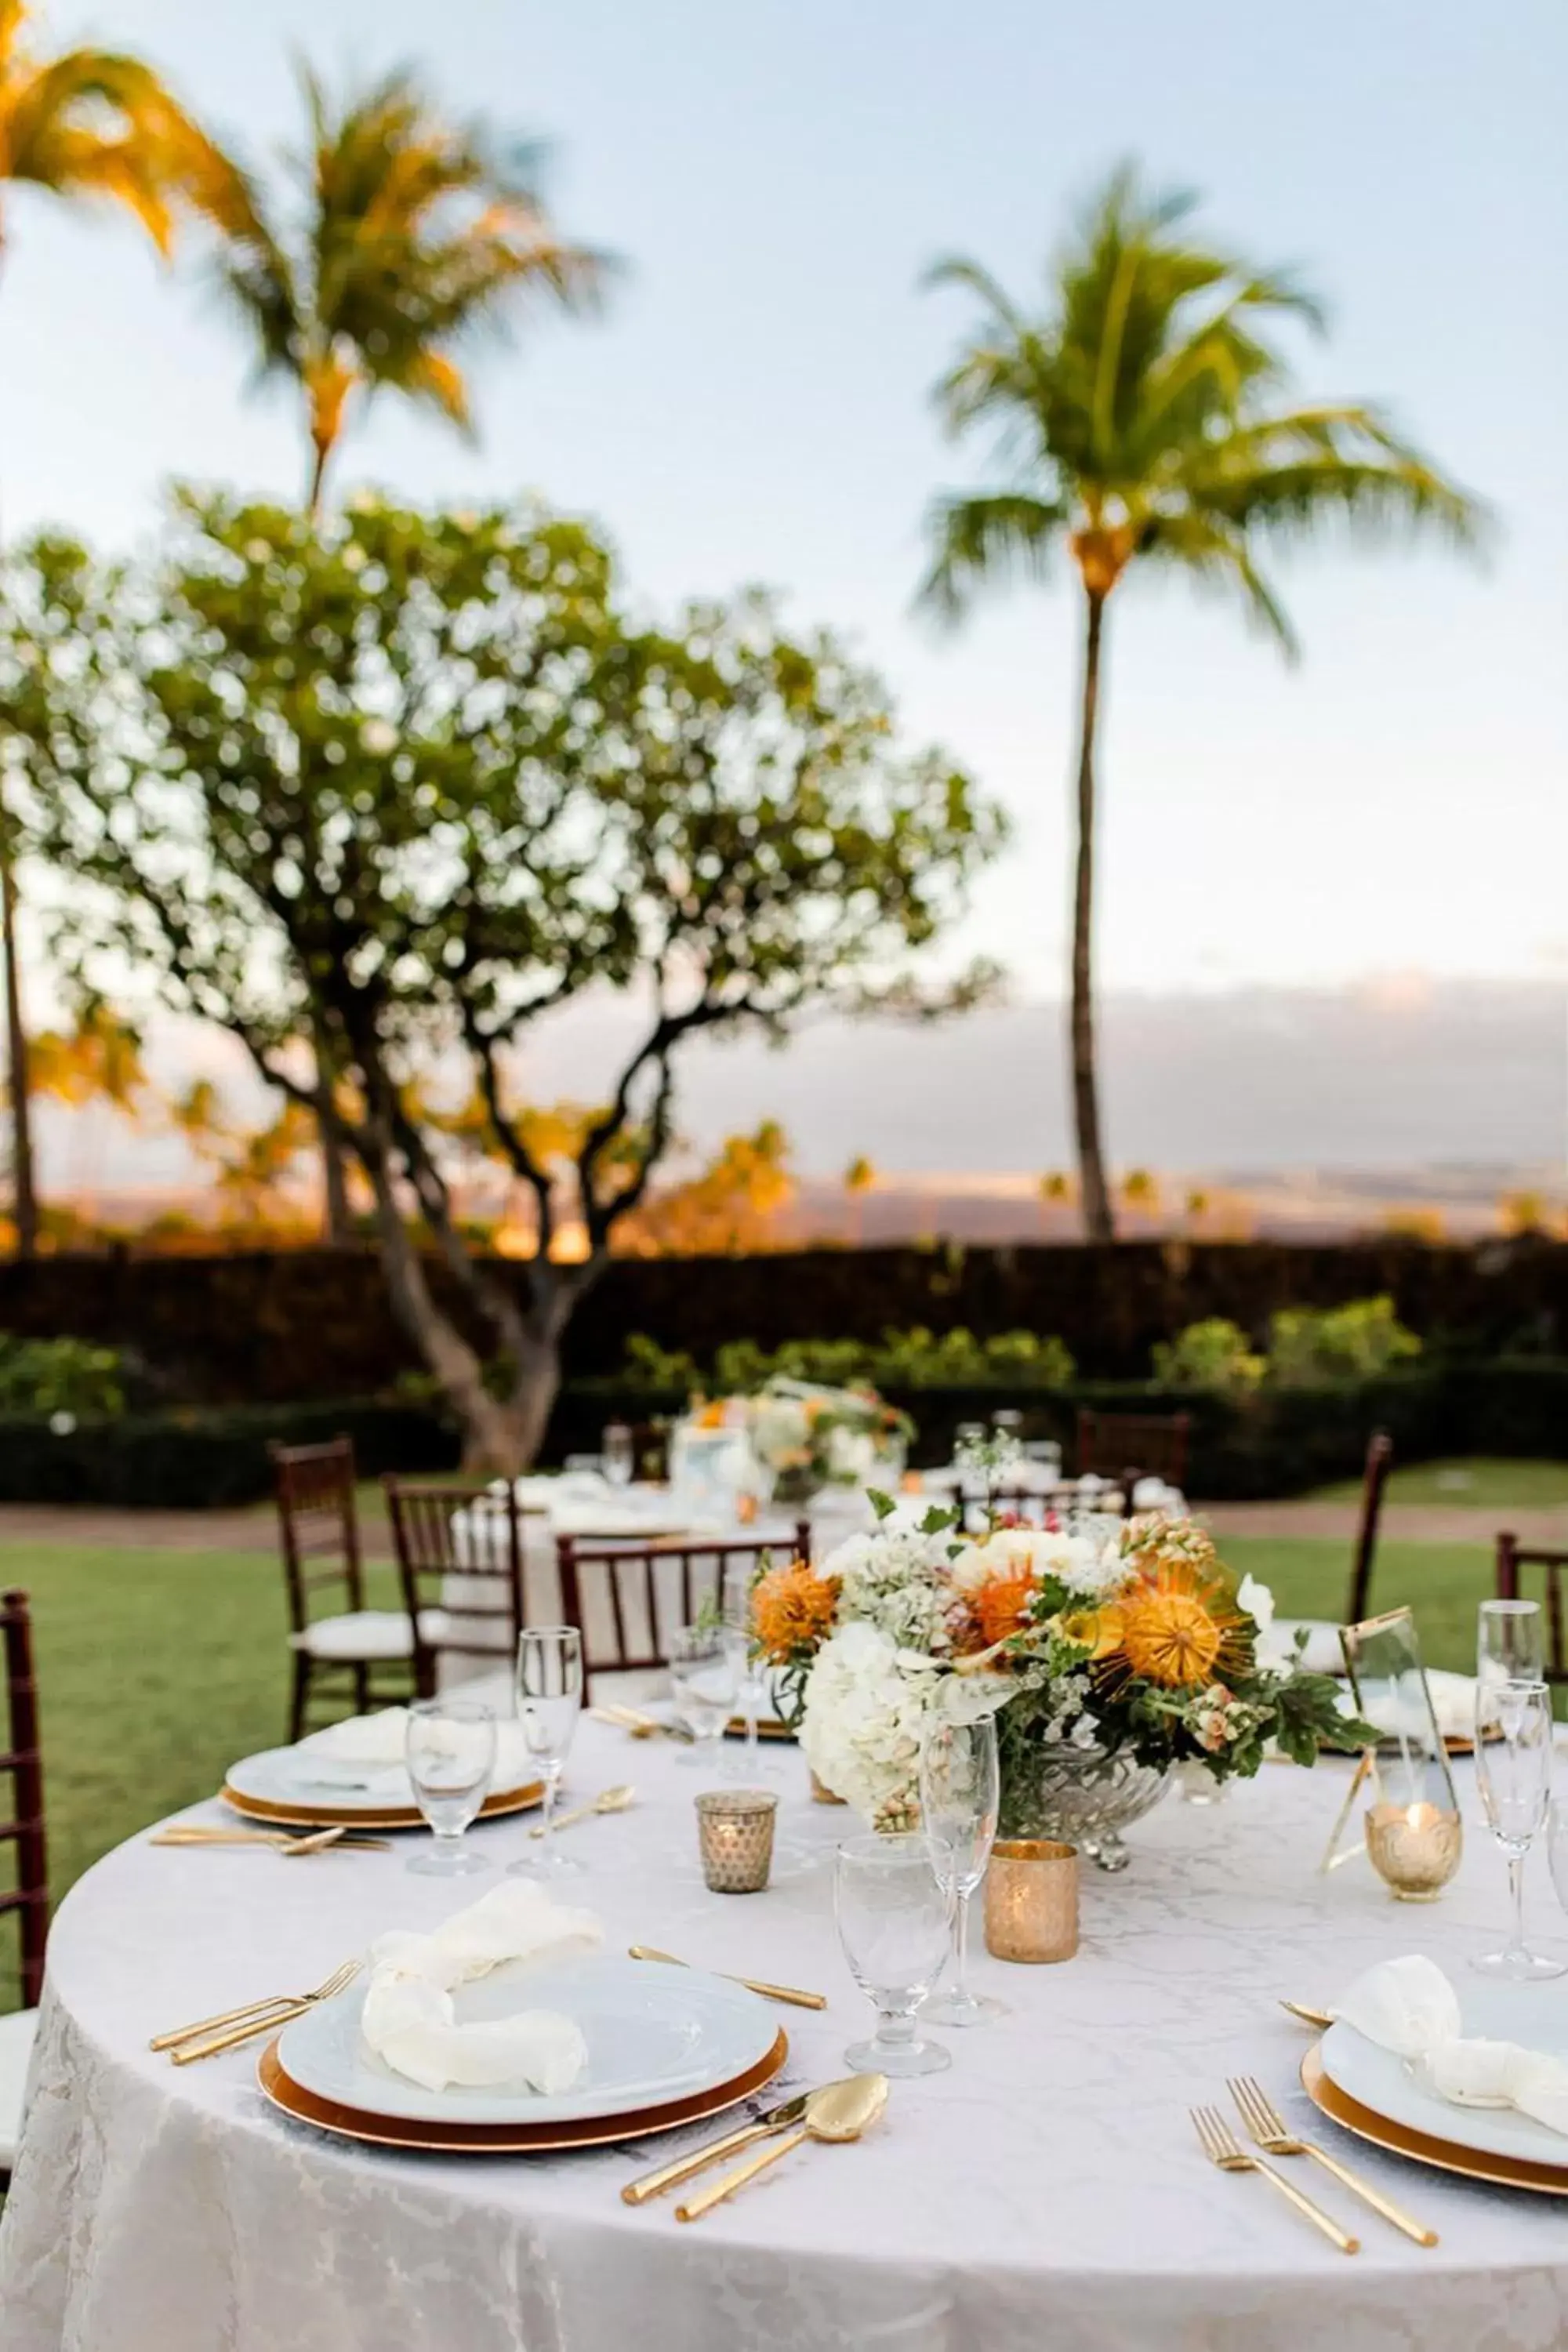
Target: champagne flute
1507	1642
1513	1772
892	1898
617	1452
739	1579
449	1749
960	1786
703	1678
549	1700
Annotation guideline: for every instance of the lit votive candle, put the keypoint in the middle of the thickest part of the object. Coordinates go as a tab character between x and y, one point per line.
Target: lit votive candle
735	1832
1031	1900
1415	1849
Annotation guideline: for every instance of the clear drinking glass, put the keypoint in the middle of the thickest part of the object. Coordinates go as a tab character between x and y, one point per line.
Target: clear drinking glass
739	1580
892	1898
617	1453
704	1678
549	1701
450	1751
960	1788
1513	1772
1507	1642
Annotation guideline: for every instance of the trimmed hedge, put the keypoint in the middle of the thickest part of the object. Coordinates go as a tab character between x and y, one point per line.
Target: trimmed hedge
1280	1442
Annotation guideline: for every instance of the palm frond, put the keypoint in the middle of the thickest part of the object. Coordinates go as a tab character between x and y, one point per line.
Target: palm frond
985	540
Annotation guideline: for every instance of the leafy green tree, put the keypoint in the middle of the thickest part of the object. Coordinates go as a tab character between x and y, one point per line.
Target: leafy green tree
84	126
1141	418
402	235
417	780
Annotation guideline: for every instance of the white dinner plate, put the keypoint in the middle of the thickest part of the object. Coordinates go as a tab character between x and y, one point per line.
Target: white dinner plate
285	1776
654	2034
1533	2015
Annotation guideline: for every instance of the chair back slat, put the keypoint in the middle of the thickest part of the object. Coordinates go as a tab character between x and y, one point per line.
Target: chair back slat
1375	1478
626	1598
23	1764
1032	1506
460	1555
1511	1556
1157	1442
317	1521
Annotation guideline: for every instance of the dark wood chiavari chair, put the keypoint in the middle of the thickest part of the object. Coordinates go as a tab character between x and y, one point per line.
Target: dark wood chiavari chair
1322	1653
627	1597
1512	1556
370	1650
21	1764
459	1554
1157	1442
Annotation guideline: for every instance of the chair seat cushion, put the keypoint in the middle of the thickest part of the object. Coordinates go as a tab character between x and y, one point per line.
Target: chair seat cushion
469	1629
360	1637
18	2033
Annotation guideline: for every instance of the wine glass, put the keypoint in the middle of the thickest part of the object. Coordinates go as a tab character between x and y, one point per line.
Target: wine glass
1513	1772
549	1700
1507	1642
449	1749
892	1898
617	1453
703	1676
959	1795
739	1580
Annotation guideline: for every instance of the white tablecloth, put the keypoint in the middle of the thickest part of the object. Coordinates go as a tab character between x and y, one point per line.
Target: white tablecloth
1046	2194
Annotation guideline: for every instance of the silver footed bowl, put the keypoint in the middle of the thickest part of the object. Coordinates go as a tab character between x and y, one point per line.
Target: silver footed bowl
1083	1796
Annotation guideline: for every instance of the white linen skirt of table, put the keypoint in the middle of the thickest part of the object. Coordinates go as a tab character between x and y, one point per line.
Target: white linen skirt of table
1046	2194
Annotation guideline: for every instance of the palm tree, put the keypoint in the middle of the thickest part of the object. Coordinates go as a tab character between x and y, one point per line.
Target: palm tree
403	234
88	125
1141	419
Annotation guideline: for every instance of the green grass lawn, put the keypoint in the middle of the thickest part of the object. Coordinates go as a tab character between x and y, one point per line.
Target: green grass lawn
1474	1483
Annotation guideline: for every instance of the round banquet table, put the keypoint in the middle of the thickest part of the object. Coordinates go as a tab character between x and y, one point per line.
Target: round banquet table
1045	2195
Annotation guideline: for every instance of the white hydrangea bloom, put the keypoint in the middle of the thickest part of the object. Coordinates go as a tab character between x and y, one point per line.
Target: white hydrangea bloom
864	1721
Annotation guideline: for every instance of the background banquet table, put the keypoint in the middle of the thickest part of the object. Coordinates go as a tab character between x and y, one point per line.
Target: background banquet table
1046	2194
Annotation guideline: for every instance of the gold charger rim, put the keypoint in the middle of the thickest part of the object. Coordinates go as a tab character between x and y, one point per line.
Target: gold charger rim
1421	2147
290	2098
372	1817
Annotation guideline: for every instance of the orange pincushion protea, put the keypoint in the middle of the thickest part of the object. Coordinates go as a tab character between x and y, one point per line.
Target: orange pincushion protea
1002	1607
1179	1629
793	1611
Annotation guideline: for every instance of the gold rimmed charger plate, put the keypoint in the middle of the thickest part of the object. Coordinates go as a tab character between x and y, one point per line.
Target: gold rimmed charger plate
507	2139
371	1817
1446	2154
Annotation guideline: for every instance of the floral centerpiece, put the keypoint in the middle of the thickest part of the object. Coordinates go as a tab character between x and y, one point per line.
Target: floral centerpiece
805	1436
1105	1661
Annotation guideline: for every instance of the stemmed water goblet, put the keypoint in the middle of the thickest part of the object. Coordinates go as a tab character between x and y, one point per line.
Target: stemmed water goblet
892	1899
617	1453
549	1701
1513	1772
449	1749
703	1678
960	1798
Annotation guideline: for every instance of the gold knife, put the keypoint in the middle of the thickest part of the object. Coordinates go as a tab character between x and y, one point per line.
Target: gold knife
790	1993
670	2175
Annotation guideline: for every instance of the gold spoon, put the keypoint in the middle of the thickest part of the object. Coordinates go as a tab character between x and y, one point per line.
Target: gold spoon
608	1801
1319	2018
839	2111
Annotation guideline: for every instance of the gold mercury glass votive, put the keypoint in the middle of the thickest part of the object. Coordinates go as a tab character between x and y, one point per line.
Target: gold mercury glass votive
735	1830
1031	1900
1415	1849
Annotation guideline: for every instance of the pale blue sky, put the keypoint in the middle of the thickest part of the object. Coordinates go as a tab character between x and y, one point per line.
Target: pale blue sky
754	407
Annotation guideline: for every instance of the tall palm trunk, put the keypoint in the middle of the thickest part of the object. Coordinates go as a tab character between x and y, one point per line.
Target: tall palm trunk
24	1195
1085	1092
320	451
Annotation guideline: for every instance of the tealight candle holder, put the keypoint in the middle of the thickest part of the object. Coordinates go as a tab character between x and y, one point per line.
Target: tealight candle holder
735	1832
1415	1849
1031	1900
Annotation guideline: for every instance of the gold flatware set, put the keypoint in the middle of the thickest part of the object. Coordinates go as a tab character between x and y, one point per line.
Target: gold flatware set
835	2113
1267	2129
791	1994
639	1725
210	2035
198	1833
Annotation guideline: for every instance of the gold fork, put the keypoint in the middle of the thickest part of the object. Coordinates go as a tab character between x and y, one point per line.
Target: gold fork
1267	2126
190	2041
1215	2135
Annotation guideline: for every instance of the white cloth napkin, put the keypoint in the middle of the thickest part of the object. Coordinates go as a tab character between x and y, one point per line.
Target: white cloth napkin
410	2020
367	1752
1408	2006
